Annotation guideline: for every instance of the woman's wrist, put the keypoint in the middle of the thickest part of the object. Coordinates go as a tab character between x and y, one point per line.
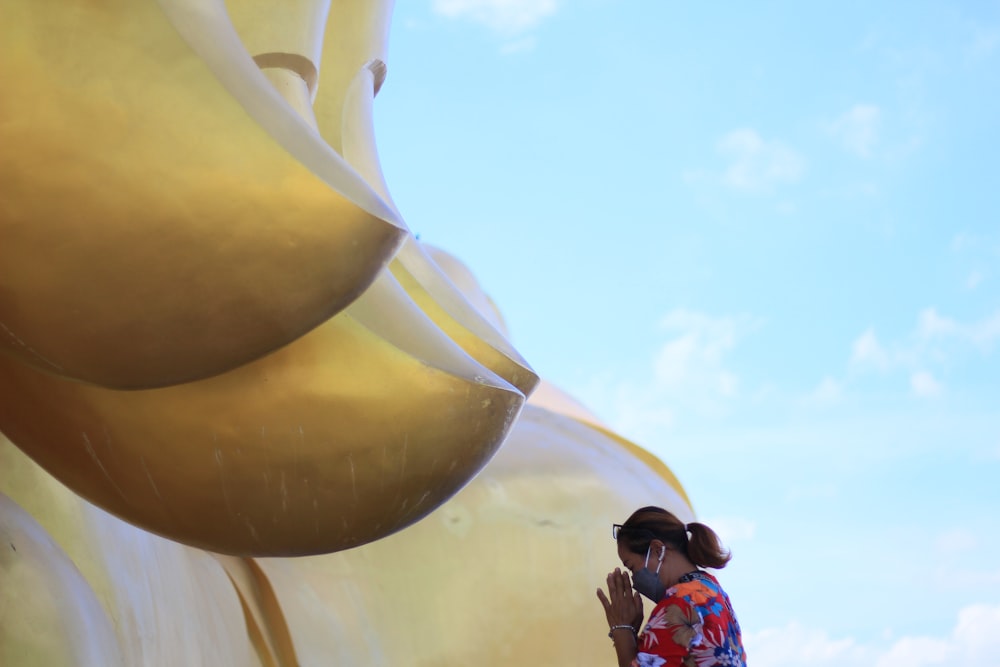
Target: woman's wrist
620	627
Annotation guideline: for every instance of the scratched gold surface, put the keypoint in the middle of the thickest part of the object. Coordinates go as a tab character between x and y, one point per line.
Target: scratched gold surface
165	215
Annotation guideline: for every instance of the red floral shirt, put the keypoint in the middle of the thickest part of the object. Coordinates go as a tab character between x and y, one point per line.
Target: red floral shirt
692	626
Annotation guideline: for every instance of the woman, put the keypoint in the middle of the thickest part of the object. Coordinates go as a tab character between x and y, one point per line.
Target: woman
692	624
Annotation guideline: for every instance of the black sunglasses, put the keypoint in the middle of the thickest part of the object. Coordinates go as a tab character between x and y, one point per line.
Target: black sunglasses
617	528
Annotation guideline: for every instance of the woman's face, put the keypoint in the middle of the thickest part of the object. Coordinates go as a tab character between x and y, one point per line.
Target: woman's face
632	561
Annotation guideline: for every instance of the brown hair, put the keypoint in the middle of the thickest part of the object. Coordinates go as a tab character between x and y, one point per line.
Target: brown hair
703	548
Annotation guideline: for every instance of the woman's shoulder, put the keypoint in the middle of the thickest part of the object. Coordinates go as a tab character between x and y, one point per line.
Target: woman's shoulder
696	585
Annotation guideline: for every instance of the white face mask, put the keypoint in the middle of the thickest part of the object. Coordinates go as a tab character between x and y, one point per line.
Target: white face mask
647	582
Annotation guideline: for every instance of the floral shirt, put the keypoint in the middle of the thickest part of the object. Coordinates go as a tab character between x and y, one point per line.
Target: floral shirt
692	626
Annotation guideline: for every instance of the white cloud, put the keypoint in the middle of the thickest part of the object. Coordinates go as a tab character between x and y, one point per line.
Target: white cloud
956	542
976	634
868	351
994	453
503	16
795	645
931	325
732	529
787	208
971	578
980	253
915	652
963	241
924	385
756	165
987	331
689	377
692	361
973	642
935	340
857	129
827	392
984	41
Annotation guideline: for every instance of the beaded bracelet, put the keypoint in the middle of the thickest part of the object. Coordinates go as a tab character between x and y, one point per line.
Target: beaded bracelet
620	627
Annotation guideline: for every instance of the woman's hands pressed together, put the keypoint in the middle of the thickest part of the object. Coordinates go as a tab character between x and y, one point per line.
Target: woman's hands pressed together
622	605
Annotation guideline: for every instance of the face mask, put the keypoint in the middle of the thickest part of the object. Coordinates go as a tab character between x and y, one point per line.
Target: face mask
647	582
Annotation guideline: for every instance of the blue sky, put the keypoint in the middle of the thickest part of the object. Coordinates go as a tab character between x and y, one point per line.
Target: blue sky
763	243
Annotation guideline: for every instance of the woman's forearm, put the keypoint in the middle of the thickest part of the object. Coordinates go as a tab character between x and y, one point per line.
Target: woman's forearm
626	646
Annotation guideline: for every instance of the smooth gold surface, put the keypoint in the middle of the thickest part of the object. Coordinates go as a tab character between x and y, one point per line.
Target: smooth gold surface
266	627
425	283
191	203
357	35
444	304
463	279
552	398
157	602
336	440
502	574
165	214
49	615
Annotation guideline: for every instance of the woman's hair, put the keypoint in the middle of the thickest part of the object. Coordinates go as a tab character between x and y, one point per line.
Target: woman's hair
703	548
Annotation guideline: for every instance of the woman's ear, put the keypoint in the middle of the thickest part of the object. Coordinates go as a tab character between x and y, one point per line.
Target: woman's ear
659	549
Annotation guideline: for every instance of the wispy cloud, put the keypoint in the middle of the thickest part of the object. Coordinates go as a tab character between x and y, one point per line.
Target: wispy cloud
924	385
956	541
935	341
756	165
935	346
797	645
828	392
507	17
973	642
693	358
753	164
984	333
980	252
857	129
731	529
689	374
984	41
867	351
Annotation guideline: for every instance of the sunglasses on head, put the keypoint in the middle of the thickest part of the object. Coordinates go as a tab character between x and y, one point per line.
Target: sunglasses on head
617	528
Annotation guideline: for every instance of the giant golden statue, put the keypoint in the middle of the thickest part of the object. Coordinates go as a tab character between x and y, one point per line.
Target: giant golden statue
221	347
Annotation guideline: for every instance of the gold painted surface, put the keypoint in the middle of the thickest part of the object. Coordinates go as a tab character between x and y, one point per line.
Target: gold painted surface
445	305
49	615
192	221
161	602
357	34
333	441
425	283
552	398
165	214
63	515
463	279
266	627
502	574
